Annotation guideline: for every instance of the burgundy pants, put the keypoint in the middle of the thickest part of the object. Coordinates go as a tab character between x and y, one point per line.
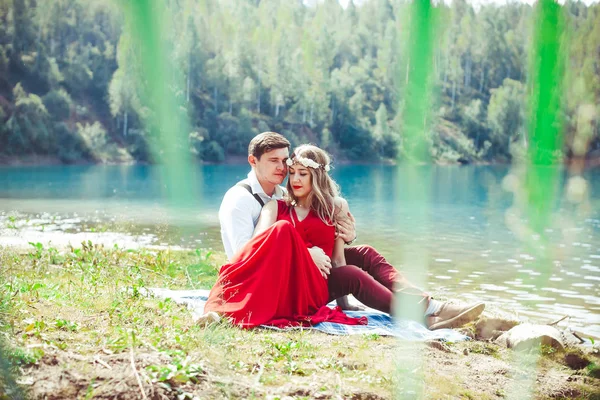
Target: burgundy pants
372	280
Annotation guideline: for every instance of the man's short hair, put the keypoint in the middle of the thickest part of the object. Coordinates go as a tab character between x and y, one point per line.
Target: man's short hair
265	142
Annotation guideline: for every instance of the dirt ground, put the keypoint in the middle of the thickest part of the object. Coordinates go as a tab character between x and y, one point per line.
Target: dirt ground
470	370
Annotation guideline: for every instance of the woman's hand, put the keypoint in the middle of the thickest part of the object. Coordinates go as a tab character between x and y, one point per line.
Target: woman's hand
321	259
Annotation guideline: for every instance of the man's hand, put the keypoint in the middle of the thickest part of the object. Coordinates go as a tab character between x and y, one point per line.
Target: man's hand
321	259
346	228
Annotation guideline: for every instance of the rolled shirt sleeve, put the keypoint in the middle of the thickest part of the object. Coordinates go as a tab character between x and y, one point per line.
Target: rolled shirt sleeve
238	215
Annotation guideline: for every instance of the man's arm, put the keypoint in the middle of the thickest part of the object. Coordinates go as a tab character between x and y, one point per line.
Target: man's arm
338	258
236	219
268	216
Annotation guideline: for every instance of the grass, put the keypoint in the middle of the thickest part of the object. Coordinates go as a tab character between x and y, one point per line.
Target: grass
90	301
81	314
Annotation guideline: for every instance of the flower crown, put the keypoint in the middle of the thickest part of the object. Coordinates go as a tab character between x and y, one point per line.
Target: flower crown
307	162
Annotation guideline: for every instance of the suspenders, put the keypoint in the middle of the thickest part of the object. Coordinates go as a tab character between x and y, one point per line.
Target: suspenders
256	196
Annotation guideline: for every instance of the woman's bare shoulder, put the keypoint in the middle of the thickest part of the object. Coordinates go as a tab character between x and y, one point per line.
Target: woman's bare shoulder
341	205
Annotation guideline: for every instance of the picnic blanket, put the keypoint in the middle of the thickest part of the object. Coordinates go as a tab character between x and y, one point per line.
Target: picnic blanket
379	323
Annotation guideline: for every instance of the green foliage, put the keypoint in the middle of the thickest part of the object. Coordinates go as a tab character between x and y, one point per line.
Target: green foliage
593	369
212	151
4	62
386	142
93	135
58	103
96	140
179	371
329	75
206	149
506	116
28	128
474	121
72	148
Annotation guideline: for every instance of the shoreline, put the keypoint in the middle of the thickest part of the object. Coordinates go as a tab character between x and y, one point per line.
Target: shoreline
50	161
21	234
139	245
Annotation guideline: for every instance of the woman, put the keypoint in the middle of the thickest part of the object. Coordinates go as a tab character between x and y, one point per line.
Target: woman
273	279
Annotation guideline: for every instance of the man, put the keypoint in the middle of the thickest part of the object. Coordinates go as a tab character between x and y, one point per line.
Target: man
241	207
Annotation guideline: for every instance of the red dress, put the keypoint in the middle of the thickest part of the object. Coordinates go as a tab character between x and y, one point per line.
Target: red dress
273	280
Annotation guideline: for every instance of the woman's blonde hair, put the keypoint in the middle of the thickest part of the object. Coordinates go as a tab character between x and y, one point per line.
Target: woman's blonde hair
324	189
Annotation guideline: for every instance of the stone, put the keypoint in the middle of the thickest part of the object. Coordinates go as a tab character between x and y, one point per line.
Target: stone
527	336
491	328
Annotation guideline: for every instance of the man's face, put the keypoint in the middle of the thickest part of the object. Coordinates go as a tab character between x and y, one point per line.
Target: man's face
271	167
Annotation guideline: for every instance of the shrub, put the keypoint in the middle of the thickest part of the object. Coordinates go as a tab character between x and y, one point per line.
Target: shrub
58	103
27	130
71	148
212	151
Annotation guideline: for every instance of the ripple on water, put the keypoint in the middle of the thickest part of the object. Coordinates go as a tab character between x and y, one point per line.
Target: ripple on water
533	297
586	298
443	277
529	272
571	273
592	278
583	285
517	292
526	286
503	300
515	282
492	287
560	291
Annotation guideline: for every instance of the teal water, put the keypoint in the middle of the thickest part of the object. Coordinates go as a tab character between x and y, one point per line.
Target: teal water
469	229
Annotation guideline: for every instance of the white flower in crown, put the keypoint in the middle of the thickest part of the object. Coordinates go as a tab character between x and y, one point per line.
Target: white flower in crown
307	162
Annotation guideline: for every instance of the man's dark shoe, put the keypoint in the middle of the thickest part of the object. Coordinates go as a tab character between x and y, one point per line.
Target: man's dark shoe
454	315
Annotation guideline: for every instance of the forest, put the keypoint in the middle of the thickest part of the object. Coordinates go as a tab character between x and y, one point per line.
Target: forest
70	89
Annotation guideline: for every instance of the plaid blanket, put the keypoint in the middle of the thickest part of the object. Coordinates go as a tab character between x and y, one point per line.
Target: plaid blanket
379	323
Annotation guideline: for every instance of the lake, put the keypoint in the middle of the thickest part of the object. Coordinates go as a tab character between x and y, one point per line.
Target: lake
459	230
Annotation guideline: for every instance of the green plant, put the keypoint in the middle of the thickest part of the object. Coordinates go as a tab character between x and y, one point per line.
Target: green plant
38	251
19	357
58	103
593	369
484	348
12	222
179	371
547	350
66	325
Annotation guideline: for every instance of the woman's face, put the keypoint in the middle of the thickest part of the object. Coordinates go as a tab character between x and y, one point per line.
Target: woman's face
300	180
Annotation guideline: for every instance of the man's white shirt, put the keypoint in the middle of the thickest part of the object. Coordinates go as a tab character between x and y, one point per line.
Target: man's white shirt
239	213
